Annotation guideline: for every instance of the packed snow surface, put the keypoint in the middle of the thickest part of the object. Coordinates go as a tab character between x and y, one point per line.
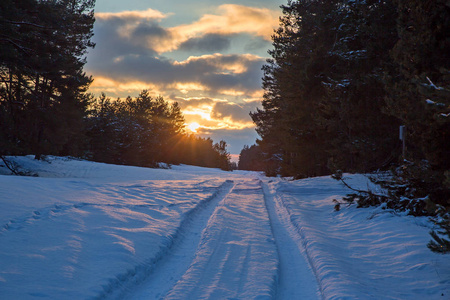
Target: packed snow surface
84	230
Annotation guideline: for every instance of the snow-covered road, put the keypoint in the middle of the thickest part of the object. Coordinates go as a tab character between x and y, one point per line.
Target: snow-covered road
235	248
93	231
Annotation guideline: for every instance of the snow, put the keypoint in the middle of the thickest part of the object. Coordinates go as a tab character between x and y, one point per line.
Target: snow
431	84
431	102
84	230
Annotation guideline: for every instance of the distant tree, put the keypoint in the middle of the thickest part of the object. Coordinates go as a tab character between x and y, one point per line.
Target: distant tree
195	150
103	126
223	156
145	131
251	158
140	131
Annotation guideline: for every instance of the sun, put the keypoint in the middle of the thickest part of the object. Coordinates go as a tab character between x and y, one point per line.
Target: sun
193	127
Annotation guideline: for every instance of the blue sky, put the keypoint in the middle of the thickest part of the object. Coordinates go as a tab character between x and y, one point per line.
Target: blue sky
206	55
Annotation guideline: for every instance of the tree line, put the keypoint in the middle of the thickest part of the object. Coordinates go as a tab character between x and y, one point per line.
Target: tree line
145	131
342	77
45	108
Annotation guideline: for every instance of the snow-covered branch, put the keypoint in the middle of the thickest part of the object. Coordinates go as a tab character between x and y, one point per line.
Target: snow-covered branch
439	88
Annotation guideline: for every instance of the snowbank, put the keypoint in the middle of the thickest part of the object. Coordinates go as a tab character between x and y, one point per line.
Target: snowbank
363	253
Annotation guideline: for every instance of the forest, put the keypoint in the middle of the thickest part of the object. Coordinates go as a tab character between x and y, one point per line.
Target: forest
45	107
342	78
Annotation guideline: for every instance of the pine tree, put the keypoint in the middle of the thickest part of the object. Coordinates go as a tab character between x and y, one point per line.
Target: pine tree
324	93
251	158
361	137
43	84
420	93
294	145
420	97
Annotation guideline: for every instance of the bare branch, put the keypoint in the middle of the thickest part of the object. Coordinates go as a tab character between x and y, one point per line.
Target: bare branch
8	166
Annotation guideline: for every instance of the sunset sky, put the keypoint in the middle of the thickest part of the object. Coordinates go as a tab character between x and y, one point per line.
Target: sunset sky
206	55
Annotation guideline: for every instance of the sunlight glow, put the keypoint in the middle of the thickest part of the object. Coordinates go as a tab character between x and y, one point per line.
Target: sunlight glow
204	112
189	86
193	127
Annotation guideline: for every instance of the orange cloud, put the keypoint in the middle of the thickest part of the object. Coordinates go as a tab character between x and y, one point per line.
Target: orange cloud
214	114
225	64
115	88
204	113
135	15
232	19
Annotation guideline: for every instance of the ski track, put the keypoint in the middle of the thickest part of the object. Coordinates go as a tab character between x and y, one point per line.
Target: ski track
167	266
214	260
296	279
236	257
220	253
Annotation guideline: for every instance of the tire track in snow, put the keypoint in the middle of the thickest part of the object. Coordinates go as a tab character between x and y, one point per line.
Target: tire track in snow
296	280
153	279
236	257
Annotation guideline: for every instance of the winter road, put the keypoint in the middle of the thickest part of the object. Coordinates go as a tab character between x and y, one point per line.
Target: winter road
240	245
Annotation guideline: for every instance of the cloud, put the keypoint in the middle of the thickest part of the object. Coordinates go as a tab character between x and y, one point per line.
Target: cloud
232	19
137	15
132	30
213	73
236	139
130	46
148	31
187	103
211	30
235	112
214	113
208	43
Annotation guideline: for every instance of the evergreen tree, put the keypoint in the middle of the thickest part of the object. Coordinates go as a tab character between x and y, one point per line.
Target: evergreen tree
324	91
223	156
420	97
137	131
294	145
145	131
42	88
251	158
361	138
102	125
